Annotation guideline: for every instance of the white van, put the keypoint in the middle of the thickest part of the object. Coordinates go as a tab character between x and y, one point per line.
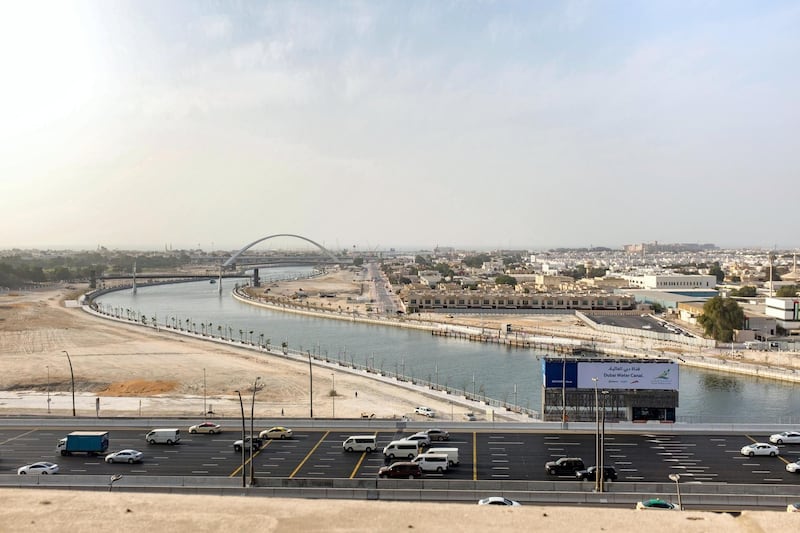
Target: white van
163	436
451	453
401	448
432	462
360	443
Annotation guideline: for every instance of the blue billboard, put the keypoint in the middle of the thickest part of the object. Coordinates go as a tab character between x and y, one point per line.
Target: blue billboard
560	374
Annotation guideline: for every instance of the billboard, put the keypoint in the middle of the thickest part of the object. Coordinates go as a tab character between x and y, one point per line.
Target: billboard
628	375
560	373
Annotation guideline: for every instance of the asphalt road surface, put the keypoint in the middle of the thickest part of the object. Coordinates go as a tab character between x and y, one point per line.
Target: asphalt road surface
484	455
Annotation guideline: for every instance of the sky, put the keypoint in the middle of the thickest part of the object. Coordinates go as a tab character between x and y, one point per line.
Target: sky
528	124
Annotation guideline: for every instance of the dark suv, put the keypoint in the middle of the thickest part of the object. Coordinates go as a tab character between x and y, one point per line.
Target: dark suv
255	444
402	469
609	473
564	466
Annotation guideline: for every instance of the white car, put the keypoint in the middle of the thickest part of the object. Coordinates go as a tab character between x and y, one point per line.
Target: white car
760	448
422	439
498	500
43	468
427	411
794	467
206	427
124	456
787	437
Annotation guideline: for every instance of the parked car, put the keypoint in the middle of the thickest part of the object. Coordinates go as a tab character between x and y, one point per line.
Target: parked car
206	427
760	448
787	437
609	473
124	456
794	467
498	500
278	432
564	466
470	417
422	439
255	444
437	434
401	469
42	467
656	503
793	507
427	411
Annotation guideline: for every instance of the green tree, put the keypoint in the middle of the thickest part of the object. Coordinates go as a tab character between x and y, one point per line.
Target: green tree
748	291
358	261
787	291
716	270
720	317
504	279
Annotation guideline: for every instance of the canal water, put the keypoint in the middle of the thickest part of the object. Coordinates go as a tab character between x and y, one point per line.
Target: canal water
496	371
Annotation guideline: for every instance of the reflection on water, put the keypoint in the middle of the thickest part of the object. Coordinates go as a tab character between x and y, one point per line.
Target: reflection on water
719	382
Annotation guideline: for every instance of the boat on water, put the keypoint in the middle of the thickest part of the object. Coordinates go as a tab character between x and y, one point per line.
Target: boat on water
212	281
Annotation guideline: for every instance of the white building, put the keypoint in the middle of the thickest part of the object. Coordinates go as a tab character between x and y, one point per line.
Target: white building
673	282
786	311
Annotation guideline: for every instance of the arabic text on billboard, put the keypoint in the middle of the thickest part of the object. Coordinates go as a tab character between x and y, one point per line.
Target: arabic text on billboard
628	375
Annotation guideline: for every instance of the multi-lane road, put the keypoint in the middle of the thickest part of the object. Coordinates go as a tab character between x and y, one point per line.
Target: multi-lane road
484	455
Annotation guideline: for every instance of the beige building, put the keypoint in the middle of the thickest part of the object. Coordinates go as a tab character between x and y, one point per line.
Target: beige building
426	300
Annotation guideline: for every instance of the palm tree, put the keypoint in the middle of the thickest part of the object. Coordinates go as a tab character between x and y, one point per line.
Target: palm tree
219	331
210	331
251	336
203	327
241	339
261	340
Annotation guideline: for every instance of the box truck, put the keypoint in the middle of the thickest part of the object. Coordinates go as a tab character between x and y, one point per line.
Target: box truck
89	442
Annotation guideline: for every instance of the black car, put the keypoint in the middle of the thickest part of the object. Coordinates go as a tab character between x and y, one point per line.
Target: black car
609	473
564	466
402	469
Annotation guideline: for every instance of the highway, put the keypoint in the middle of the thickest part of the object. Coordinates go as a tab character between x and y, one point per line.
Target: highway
486	454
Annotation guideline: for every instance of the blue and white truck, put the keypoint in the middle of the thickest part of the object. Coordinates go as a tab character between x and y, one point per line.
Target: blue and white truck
89	442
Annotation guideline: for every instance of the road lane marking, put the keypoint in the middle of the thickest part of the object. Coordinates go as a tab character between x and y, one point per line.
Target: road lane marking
18	437
474	456
250	458
317	445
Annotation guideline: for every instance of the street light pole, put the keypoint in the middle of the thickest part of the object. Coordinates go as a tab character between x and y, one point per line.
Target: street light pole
333	394
244	442
48	389
676	478
603	444
205	409
310	389
252	434
72	376
597	436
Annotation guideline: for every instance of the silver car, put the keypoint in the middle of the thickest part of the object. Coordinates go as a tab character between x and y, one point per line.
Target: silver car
787	437
124	456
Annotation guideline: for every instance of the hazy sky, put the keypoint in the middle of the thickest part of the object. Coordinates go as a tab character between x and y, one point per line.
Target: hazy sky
403	123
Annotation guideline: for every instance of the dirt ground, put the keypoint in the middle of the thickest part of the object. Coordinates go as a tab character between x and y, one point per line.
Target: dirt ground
43	511
138	371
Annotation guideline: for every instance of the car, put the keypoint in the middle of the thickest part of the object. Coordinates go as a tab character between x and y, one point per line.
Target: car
793	507
470	417
206	427
255	443
401	469
437	434
278	432
422	439
124	456
498	500
794	467
760	448
609	473
42	467
656	503
787	437
427	411
564	466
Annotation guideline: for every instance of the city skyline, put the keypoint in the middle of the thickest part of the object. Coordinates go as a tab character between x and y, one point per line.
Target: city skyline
143	124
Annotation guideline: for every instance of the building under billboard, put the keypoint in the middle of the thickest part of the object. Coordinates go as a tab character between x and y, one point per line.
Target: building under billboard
623	389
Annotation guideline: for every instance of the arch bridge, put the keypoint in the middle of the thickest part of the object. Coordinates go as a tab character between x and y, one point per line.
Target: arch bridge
231	261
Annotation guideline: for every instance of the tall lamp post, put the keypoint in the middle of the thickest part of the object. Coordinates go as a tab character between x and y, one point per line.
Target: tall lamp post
333	395
603	443
205	409
48	389
676	478
597	436
244	442
310	388
72	376
252	434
